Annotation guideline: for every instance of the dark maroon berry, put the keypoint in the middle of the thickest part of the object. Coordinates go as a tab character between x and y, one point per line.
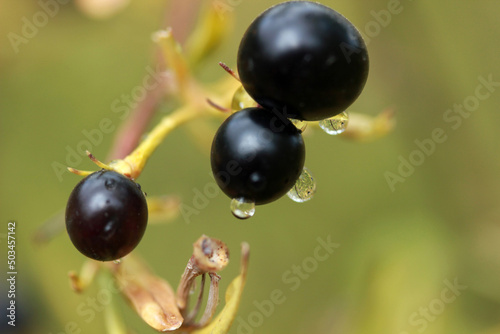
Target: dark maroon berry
303	59
106	215
257	155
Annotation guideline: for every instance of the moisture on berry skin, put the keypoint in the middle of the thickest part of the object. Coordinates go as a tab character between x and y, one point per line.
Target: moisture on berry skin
304	60
106	215
257	155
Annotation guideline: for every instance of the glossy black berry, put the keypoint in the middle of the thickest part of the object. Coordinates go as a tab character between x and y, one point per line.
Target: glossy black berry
304	60
106	215
257	155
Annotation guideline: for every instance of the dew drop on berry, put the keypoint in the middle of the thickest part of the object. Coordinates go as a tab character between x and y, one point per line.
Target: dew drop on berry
242	100
304	188
242	208
300	125
117	261
335	125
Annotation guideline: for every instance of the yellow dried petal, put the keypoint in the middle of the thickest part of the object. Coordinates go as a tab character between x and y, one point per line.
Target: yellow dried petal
151	296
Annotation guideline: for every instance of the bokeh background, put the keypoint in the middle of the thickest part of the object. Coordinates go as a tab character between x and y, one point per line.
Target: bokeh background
400	248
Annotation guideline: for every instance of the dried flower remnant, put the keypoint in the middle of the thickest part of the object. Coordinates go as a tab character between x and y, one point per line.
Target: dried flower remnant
160	306
224	320
155	301
209	255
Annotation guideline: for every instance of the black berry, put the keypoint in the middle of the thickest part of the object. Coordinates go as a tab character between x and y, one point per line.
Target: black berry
303	59
106	215
257	155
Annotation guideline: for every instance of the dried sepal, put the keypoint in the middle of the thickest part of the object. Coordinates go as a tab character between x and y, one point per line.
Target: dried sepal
79	172
208	34
80	282
162	209
212	302
223	321
186	284
367	128
194	312
175	60
209	255
151	296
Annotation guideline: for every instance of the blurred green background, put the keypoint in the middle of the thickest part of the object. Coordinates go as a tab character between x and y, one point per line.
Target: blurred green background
400	248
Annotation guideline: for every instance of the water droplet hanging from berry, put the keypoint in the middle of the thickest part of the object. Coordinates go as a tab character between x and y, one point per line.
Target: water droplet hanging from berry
242	208
336	124
304	188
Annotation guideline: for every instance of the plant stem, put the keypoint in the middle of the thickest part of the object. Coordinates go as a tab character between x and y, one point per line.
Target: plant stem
131	130
138	158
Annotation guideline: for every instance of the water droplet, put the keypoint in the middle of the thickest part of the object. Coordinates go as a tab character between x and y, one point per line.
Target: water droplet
300	125
335	125
242	208
242	100
304	188
117	261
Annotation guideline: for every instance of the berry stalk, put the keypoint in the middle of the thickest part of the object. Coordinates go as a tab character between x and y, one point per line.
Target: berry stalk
138	158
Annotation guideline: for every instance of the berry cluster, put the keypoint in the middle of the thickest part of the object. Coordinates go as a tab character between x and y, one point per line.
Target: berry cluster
298	60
